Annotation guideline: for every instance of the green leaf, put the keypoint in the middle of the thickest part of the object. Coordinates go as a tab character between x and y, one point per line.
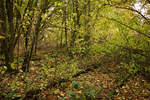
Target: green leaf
100	87
83	98
13	85
39	77
2	72
75	85
10	94
74	98
74	14
56	91
52	69
92	92
71	93
63	84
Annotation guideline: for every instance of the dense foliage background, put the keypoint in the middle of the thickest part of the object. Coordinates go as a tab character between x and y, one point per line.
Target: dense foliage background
74	49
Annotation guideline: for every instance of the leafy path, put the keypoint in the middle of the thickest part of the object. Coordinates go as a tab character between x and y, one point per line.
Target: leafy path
103	85
59	77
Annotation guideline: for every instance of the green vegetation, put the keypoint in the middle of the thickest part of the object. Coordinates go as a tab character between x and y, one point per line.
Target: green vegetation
74	49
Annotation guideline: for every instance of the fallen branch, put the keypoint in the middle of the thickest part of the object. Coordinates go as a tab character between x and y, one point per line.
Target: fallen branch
30	94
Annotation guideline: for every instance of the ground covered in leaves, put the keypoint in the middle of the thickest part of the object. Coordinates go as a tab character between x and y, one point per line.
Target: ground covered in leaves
57	76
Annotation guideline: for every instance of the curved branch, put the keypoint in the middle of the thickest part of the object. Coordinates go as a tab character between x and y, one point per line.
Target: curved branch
131	9
136	30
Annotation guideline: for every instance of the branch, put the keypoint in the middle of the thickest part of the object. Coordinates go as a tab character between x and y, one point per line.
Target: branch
135	51
131	9
136	30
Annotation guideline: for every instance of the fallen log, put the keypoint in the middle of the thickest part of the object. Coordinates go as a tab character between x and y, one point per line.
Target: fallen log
30	94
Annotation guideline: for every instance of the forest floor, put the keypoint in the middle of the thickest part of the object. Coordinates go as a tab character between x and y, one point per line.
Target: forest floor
56	76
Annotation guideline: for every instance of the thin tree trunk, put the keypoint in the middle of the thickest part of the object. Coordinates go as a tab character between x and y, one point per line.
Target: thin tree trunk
29	53
66	31
3	27
87	25
43	6
61	34
10	43
73	35
65	25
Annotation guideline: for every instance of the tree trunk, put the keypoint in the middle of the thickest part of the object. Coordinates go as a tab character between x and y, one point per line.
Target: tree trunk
9	54
34	42
3	28
87	25
61	34
73	33
65	23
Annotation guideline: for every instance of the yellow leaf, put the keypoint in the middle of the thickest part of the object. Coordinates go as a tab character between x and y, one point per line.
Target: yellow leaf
2	37
1	21
12	65
80	92
5	67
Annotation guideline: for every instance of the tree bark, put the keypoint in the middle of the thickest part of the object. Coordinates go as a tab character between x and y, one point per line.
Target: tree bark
3	27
